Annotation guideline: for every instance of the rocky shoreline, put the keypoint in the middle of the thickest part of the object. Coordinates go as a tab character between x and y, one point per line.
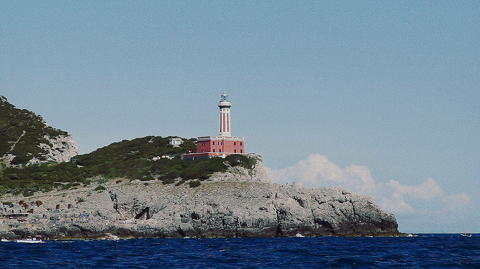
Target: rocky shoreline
214	209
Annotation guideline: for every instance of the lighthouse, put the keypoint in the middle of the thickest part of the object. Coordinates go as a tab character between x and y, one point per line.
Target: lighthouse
222	145
224	106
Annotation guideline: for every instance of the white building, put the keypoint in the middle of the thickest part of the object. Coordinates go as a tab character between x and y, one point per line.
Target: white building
175	141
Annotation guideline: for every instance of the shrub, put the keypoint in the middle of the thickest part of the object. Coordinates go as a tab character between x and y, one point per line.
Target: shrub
194	183
147	178
180	182
100	188
241	160
8	203
202	169
27	193
168	181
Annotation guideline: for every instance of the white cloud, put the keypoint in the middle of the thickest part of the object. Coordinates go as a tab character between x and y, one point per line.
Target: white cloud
317	171
429	190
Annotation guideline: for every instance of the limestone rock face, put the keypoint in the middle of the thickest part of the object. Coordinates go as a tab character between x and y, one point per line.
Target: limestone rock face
241	174
214	209
59	148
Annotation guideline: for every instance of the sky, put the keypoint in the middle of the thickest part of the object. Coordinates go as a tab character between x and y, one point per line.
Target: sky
379	97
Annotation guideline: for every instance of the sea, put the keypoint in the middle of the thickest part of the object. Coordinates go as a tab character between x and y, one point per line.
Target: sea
421	251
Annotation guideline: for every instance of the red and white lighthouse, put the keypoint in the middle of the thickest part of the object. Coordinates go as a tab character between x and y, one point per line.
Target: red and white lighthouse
223	145
224	106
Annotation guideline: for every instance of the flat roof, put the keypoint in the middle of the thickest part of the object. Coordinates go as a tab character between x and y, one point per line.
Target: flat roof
228	138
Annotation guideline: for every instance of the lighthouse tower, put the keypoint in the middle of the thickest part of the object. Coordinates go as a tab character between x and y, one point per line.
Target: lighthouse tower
224	106
219	146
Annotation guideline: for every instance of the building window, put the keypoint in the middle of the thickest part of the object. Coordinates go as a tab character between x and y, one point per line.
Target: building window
234	151
213	143
213	150
220	143
234	143
241	144
241	151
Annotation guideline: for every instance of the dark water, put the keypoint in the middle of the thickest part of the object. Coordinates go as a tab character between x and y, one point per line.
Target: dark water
424	251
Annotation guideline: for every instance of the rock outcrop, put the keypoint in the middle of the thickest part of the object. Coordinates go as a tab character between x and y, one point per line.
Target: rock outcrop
214	209
241	174
60	148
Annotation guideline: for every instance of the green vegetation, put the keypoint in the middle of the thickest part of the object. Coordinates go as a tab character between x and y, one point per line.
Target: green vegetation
21	132
194	183
100	188
241	160
131	159
43	177
7	203
202	169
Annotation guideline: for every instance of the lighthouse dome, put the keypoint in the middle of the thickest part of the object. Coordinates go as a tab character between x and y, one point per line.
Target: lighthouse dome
224	101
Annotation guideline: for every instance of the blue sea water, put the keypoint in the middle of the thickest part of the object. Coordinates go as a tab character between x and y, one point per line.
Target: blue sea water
424	251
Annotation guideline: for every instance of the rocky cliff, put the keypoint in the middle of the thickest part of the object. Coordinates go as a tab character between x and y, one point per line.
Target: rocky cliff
214	209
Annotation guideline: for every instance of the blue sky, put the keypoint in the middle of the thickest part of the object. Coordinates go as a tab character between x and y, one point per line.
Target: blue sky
381	97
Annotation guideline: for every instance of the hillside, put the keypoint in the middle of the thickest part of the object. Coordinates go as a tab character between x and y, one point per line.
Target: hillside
144	159
37	157
25	138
